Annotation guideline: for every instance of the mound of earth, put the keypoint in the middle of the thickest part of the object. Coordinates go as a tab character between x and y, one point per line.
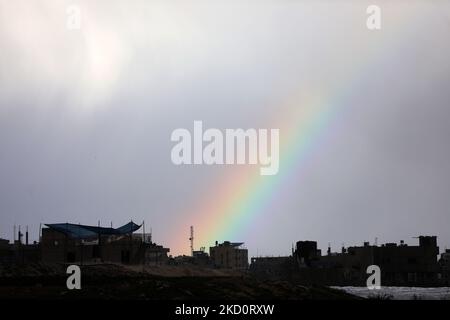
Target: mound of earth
109	281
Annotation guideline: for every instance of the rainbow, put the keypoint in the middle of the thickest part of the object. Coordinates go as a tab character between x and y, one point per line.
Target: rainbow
243	194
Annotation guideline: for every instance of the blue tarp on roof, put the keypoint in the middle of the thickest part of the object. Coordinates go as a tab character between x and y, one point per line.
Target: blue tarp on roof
128	228
83	231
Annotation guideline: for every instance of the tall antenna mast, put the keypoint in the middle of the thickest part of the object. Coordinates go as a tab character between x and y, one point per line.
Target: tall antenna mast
192	240
20	236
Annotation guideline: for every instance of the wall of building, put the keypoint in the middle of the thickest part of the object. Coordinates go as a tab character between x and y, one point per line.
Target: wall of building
271	267
58	248
399	264
228	256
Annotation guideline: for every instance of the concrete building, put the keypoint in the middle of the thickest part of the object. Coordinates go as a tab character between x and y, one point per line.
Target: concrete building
307	253
6	255
271	267
72	243
400	264
18	253
199	258
155	254
444	264
229	255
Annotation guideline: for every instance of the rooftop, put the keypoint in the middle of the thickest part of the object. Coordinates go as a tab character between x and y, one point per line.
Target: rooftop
83	231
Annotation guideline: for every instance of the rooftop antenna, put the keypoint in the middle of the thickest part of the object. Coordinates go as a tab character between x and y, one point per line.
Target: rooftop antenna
143	231
192	240
20	236
14	234
150	238
26	236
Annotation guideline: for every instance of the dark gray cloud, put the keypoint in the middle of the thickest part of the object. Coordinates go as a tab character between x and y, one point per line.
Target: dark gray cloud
86	116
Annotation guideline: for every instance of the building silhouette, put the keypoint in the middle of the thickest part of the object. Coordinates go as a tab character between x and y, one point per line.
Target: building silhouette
229	255
73	243
400	264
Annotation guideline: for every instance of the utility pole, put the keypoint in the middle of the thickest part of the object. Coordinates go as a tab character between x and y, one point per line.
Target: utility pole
20	236
192	240
150	238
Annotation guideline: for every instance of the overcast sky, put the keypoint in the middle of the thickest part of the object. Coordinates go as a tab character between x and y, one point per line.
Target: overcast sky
86	115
